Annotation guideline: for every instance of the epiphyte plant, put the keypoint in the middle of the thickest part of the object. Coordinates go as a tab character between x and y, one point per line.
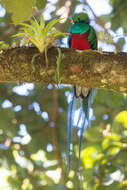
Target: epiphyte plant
39	34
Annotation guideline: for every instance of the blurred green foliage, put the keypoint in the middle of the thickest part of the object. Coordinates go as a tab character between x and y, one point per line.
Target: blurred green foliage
32	160
33	125
119	14
21	10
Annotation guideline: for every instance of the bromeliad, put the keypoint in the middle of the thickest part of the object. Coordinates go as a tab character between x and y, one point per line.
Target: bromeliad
82	37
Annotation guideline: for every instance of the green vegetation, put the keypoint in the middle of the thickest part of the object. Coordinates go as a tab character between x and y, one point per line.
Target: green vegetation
40	35
33	121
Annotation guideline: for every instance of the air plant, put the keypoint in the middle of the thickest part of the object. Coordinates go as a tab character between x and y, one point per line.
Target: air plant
39	34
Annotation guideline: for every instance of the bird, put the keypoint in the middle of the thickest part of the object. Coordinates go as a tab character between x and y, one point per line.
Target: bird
82	36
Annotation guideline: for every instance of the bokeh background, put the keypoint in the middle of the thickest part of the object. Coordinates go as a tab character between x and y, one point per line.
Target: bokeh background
33	117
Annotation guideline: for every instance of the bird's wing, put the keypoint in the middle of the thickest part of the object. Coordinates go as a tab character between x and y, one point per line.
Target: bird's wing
92	38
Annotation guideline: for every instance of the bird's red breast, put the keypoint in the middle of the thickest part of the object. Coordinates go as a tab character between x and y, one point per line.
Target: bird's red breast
80	41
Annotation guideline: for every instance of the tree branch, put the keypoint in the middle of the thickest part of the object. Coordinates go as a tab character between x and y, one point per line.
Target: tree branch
104	70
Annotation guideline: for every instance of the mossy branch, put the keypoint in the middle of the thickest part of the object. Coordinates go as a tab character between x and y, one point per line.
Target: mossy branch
104	70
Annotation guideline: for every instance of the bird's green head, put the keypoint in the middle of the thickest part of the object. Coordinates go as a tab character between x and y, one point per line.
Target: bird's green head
81	17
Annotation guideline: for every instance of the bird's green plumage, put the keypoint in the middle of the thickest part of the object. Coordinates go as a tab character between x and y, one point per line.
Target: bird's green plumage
81	17
92	38
81	25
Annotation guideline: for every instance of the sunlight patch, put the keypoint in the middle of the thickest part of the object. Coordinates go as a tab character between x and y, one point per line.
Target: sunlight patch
23	89
6	104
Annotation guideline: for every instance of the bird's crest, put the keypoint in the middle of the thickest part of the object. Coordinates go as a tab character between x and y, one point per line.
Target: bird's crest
81	17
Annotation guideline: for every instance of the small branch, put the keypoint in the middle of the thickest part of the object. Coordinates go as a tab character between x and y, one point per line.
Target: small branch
104	70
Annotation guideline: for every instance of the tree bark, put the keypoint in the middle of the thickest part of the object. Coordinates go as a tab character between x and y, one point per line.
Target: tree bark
104	70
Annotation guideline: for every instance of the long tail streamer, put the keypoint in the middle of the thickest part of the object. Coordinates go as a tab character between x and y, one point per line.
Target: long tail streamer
70	120
83	121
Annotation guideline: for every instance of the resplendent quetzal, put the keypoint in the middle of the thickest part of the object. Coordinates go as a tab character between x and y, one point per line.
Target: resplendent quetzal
82	37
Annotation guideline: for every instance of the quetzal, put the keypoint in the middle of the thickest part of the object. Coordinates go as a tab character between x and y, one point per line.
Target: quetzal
82	37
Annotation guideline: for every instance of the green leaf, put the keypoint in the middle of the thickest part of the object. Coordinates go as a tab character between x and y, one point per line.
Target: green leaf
41	4
121	157
87	156
51	24
21	10
122	118
28	26
42	22
31	33
35	25
61	34
119	14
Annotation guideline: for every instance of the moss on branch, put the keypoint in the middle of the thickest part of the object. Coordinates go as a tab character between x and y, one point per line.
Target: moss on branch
88	68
